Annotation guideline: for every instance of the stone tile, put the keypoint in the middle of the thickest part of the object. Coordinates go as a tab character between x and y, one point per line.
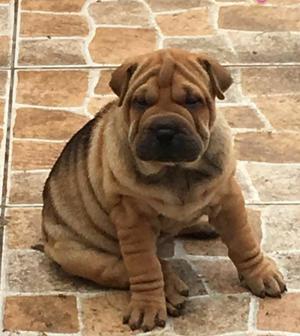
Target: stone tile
219	275
282	228
275	182
35	155
160	332
53	6
271	80
41	313
193	22
102	315
211	247
241	117
4	21
96	103
283	315
290	266
215	247
281	111
259	18
102	86
113	45
3	82
233	94
24	267
254	218
126	12
168	5
189	276
244	184
266	48
216	46
51	52
4	51
1	138
23	227
47	124
27	187
213	315
52	88
268	147
284	2
36	24
2	111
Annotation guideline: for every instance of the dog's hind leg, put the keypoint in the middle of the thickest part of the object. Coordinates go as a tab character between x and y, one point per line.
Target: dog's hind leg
175	289
75	258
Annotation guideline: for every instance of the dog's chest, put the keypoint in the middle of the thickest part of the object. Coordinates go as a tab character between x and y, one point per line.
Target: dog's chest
185	205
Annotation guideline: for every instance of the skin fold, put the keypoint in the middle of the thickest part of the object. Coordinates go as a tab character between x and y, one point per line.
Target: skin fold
148	166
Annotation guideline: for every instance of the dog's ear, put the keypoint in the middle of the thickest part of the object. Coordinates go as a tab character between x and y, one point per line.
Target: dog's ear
120	79
220	77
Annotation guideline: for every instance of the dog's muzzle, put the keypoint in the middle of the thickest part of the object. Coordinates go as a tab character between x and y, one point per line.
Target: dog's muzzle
168	141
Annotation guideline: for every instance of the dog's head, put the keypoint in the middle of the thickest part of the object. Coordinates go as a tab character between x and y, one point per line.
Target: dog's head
168	101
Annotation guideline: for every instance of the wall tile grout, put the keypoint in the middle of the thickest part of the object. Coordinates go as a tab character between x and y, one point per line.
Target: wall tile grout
6	159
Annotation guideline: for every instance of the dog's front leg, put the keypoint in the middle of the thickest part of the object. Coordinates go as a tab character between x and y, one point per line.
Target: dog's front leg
137	239
258	272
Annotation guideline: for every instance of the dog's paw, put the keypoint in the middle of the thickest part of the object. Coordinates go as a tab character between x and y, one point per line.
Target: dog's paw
176	293
266	281
145	315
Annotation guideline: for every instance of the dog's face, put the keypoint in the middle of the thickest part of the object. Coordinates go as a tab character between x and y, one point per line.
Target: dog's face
168	101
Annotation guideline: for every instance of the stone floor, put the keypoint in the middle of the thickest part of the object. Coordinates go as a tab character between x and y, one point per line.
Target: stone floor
55	60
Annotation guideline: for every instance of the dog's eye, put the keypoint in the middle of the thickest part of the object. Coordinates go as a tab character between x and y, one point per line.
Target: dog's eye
140	103
192	102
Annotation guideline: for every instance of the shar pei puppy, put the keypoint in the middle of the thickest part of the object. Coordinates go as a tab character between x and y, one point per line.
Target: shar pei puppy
149	165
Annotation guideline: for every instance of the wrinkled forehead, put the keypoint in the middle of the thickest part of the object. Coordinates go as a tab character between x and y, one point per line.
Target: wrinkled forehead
164	70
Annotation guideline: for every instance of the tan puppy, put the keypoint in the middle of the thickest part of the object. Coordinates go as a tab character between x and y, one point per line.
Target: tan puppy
147	166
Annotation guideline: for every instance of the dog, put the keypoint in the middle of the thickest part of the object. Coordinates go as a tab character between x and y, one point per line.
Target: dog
149	165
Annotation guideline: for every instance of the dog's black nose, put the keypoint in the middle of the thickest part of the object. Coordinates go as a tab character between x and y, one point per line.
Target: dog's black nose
165	135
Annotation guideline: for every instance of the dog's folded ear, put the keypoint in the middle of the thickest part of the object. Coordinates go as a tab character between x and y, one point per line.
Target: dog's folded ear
120	79
220	77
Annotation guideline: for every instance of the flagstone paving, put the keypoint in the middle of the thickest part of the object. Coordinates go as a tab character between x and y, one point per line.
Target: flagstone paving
56	58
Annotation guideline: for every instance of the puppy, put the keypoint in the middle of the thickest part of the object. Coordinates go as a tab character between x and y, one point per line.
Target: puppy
149	165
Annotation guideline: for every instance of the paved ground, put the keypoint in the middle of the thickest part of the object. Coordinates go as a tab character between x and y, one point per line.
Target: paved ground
55	57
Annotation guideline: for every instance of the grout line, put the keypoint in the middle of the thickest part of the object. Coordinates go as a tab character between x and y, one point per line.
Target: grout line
262	117
80	314
5	176
273	203
275	333
9	115
37	333
253	193
71	109
263	218
113	66
40	140
92	32
51	38
196	257
93	79
17	37
159	34
19	205
49	12
253	310
3	277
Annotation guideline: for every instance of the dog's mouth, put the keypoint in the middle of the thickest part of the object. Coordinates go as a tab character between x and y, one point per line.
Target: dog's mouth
168	142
